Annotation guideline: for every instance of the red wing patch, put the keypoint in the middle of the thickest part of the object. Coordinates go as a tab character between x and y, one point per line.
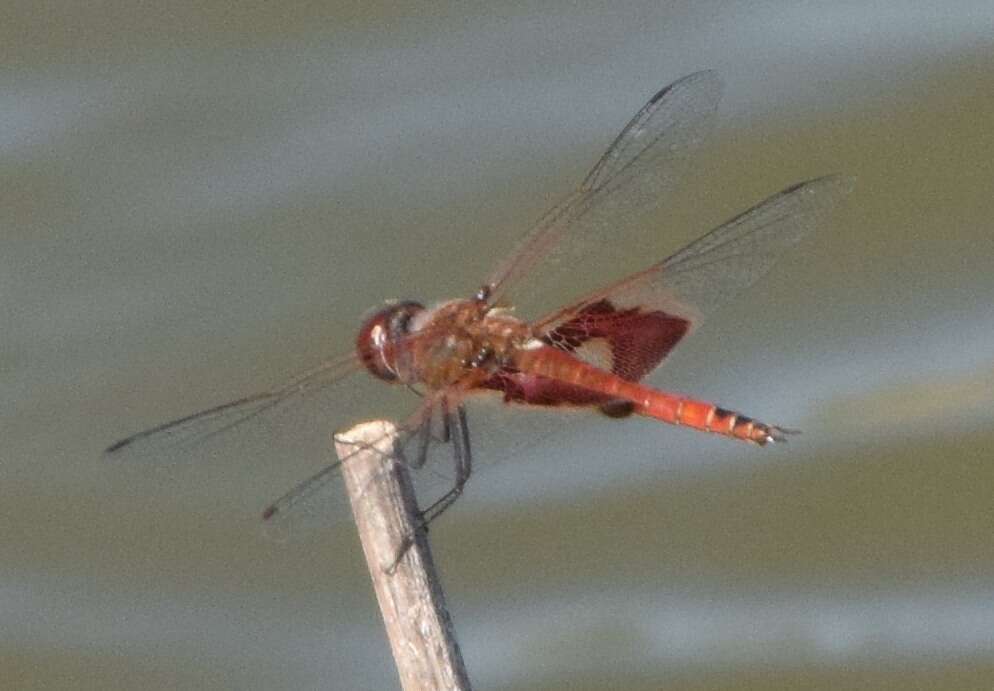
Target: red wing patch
635	341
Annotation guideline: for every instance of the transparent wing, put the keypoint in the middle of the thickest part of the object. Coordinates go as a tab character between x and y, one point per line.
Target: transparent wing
631	179
286	419
321	498
691	283
191	430
307	499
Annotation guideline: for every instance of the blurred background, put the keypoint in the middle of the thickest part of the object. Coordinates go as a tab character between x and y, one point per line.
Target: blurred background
199	199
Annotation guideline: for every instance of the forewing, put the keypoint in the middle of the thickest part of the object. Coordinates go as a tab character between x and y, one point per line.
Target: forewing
632	325
595	226
191	430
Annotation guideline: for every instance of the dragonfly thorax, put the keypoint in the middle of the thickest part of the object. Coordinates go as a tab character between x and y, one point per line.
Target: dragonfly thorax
462	341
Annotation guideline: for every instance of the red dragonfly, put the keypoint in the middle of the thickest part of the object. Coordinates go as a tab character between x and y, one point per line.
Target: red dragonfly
593	353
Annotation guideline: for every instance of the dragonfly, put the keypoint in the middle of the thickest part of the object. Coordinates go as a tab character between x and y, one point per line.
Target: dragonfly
593	353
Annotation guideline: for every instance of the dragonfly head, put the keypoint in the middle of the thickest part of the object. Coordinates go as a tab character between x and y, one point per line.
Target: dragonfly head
379	341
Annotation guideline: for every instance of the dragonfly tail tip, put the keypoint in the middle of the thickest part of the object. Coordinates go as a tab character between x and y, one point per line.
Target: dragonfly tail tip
780	435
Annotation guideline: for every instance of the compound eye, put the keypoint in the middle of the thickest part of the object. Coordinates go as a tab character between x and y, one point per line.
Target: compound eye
381	336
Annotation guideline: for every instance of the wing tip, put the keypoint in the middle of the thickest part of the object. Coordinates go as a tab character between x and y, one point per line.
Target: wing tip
117	446
843	183
692	79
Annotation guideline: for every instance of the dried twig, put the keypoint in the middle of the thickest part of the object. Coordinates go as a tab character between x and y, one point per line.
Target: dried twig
396	548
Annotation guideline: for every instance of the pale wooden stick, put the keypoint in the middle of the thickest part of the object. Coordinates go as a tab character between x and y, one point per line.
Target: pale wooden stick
396	548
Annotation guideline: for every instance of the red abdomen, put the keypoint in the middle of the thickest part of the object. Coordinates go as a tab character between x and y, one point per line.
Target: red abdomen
548	376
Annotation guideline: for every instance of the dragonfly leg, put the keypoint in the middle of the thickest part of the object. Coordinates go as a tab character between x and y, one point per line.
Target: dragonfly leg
463	462
446	436
424	441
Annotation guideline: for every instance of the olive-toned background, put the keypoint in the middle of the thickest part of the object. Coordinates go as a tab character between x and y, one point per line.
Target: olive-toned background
199	199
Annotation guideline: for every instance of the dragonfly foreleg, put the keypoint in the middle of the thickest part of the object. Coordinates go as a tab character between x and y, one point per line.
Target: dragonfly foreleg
424	440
